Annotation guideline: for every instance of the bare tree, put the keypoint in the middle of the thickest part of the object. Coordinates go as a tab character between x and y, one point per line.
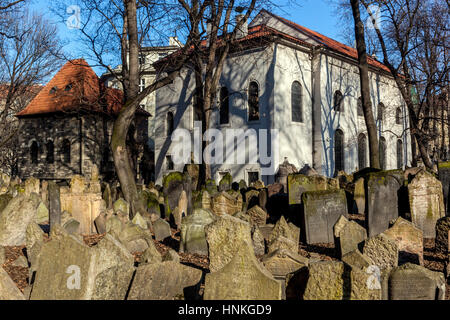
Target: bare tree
365	86
26	62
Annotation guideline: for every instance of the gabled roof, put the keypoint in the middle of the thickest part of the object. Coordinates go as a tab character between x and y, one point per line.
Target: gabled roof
327	42
75	88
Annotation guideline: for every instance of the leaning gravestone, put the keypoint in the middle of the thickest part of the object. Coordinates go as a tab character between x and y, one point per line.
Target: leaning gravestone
348	236
413	282
168	280
442	231
70	270
225	236
161	228
381	200
322	209
426	202
14	219
243	278
409	240
193	236
283	235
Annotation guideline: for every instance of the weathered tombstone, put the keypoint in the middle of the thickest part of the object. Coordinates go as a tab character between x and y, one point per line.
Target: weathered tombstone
4	200
286	230
225	203
8	289
322	210
284	170
181	209
42	215
382	250
193	170
54	204
263	198
167	280
193	236
257	216
298	183
121	205
326	281
173	184
413	282
134	238
14	219
359	196
252	198
258	242
243	278
442	231
426	202
206	200
171	255
70	270
381	201
409	240
225	182
107	196
348	236
161	228
32	185
225	236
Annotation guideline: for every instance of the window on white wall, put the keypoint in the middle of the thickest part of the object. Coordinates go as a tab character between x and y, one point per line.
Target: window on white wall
169	124
338	102
398	116
380	112
362	147
382	151
224	113
141	85
169	163
296	102
253	101
360	108
399	154
339	150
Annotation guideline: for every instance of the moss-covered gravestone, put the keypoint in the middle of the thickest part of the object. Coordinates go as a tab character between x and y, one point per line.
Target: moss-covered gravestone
326	281
225	182
173	185
426	201
322	210
243	278
298	183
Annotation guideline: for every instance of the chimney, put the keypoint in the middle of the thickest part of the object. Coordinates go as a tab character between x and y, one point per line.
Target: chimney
243	30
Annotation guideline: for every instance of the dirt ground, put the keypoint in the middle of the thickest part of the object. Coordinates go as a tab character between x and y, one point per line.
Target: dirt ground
432	260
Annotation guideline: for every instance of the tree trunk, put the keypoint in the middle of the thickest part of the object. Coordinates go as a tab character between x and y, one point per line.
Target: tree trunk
365	86
120	152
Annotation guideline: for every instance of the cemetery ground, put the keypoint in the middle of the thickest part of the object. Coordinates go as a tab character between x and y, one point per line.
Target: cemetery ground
372	235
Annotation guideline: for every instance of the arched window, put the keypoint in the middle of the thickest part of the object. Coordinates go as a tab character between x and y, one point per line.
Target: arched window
169	124
338	101
224	105
253	101
360	108
380	112
296	102
50	152
382	151
339	150
398	116
65	150
34	151
399	154
362	162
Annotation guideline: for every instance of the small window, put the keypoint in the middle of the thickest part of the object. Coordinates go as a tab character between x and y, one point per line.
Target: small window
253	102
68	87
142	59
399	154
224	106
398	116
380	112
339	150
170	125
65	149
362	145
338	101
382	151
253	176
141	85
50	152
34	151
53	90
296	102
360	108
169	163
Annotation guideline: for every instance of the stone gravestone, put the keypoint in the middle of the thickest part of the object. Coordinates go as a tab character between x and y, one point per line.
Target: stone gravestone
413	282
193	236
325	281
444	178
226	204
409	240
70	270
283	236
382	250
322	210
166	280
426	202
8	289
348	235
161	228
442	231
225	236
173	184
243	278
359	196
382	201
298	183
54	204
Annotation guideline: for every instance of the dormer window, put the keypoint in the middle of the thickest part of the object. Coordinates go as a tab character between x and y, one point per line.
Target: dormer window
53	90
68	87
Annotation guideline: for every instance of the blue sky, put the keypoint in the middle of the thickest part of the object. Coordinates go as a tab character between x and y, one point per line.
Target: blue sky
317	15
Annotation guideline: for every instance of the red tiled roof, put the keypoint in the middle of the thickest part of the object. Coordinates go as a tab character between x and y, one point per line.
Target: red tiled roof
330	43
29	90
75	88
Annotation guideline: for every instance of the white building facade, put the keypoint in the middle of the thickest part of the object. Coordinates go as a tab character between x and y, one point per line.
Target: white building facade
301	84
